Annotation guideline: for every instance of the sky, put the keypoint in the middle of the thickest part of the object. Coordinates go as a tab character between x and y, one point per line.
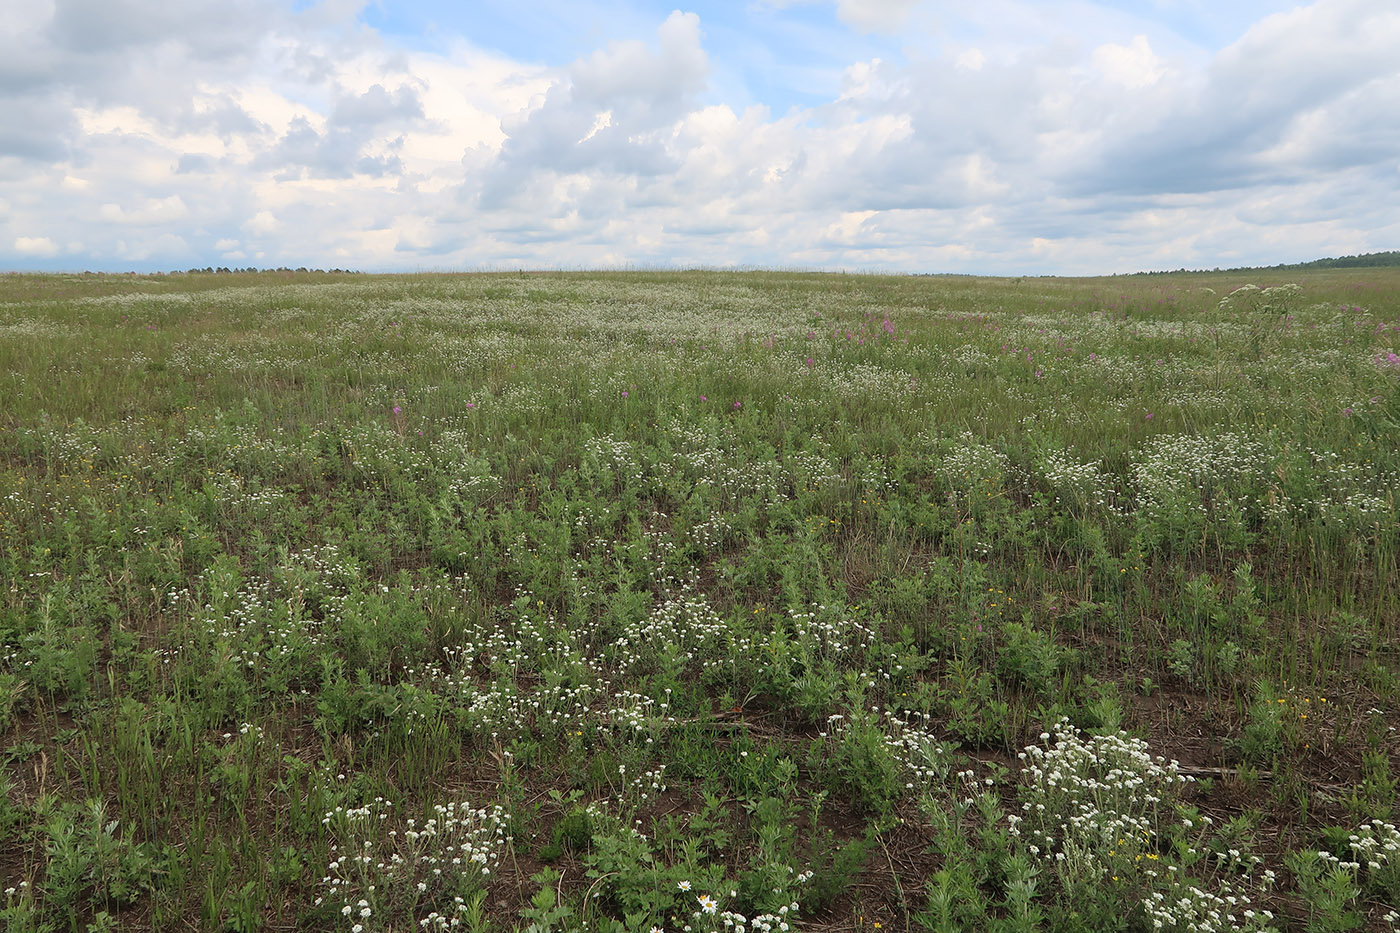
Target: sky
1004	137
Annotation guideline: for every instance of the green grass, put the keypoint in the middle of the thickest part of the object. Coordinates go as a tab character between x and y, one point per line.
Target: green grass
595	600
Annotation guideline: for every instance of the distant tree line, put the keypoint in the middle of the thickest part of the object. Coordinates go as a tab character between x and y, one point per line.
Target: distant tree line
1363	261
1388	258
225	270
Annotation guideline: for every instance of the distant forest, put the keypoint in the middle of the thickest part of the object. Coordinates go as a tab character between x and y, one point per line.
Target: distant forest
1388	258
1364	261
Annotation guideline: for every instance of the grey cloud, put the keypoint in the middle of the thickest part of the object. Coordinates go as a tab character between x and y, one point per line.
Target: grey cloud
557	137
1299	94
1362	196
707	229
1346	133
1226	132
224	117
339	152
303	148
209	28
970	137
355	122
613	116
152	55
304	65
533	233
27	65
377	107
39	128
630	75
1308	56
1163	162
379	166
193	163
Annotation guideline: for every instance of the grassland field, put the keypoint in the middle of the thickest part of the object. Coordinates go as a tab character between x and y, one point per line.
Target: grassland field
699	601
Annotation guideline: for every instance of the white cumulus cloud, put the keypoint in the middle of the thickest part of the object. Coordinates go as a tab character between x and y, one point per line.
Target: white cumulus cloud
1133	66
35	246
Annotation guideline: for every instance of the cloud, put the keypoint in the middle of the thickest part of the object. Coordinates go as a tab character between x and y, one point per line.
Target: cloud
1230	128
195	163
633	75
35	246
360	135
338	152
378	107
35	129
205	27
1012	136
1133	66
261	224
864	15
150	211
145	247
875	15
611	113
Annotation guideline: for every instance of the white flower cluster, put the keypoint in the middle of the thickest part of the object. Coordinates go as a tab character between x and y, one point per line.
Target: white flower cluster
810	470
1377	846
608	455
451	920
1277	299
378	874
710	535
1095	806
635	714
377	452
708	913
641	789
924	759
258	626
1174	466
470	479
860	380
966	463
731	471
1190	908
1352	495
1107	791
1354	511
235	498
760	923
682	625
1077	484
831	638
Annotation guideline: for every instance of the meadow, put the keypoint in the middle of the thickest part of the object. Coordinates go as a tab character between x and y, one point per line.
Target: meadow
699	601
